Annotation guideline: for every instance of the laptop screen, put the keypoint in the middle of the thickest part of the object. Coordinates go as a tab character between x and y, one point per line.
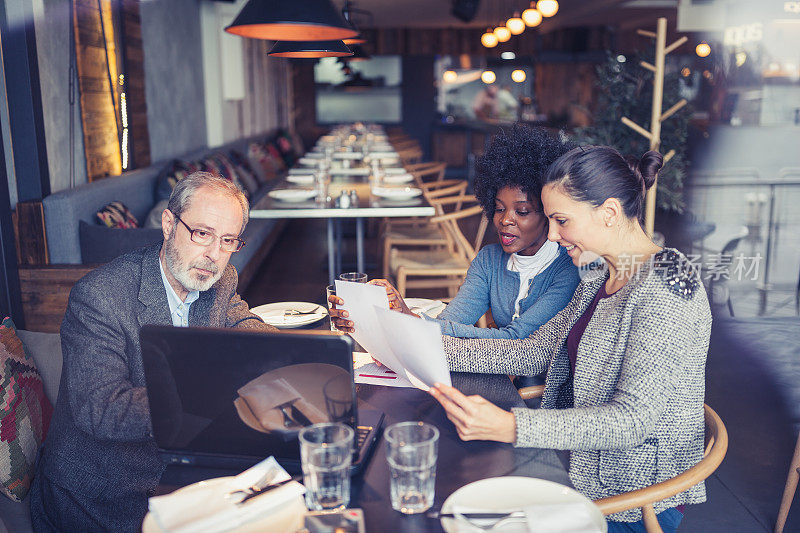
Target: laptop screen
239	393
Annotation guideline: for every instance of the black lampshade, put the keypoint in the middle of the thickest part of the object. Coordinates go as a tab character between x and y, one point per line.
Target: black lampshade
359	54
306	49
291	20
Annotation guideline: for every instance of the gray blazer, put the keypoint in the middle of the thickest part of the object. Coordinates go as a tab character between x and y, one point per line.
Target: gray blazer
633	413
100	461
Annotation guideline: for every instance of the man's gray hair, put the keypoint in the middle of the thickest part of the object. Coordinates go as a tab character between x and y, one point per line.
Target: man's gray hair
184	190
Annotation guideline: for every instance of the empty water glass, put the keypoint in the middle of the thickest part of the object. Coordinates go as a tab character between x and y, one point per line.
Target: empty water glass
411	450
355	277
330	290
326	452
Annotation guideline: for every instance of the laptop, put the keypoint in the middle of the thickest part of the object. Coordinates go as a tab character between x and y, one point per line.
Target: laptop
227	398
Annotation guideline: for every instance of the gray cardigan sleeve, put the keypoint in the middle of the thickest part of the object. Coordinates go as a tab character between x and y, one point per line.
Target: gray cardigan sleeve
667	343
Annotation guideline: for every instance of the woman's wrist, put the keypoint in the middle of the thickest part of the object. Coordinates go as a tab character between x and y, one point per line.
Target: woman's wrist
510	425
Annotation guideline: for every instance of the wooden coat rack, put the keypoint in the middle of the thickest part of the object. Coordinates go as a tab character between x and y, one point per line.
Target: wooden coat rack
657	116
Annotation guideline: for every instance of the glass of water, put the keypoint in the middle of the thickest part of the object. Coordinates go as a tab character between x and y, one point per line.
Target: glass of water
411	450
326	451
356	277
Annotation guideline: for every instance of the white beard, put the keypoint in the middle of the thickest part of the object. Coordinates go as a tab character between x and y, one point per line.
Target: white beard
183	272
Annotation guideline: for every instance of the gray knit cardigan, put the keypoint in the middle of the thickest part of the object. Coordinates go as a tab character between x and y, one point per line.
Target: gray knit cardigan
633	414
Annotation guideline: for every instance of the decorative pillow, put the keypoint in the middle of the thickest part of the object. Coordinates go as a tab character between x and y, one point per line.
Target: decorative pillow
172	174
116	215
25	412
101	245
277	158
261	163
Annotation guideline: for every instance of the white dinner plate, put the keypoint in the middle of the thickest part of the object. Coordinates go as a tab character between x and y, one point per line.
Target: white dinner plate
275	314
501	494
358	171
396	193
432	308
398	178
292	195
308	161
348	155
394	170
303	179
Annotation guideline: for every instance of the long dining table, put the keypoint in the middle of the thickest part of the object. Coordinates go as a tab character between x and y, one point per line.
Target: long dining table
459	462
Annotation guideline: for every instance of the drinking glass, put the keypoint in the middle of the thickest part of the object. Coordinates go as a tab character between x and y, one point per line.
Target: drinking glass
411	450
326	451
330	290
356	277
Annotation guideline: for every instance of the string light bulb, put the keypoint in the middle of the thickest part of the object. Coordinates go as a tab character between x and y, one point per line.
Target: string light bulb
488	77
518	75
547	8
450	76
502	33
702	49
489	39
515	24
531	17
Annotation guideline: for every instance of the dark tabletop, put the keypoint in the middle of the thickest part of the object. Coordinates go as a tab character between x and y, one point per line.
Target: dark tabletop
459	462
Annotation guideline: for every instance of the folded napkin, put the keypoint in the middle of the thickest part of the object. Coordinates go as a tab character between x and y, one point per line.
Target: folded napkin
568	517
398	178
206	507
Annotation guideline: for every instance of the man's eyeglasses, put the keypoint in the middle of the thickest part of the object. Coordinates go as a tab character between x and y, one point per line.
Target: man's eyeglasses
205	237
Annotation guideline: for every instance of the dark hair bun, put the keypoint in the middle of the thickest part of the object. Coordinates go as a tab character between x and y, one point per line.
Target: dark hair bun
648	167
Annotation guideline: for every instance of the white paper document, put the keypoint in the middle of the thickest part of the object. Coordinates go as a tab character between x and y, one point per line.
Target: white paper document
368	372
409	346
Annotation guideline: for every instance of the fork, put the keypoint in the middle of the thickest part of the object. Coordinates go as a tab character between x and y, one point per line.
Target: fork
261	483
295	312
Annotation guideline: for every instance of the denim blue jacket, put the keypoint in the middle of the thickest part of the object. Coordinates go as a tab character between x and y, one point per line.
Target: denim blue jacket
490	285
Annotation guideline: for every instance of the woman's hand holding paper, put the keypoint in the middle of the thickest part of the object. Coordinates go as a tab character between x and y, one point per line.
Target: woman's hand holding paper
474	417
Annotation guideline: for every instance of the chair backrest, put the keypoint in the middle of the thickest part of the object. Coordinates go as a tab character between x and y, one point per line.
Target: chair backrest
427	172
449	222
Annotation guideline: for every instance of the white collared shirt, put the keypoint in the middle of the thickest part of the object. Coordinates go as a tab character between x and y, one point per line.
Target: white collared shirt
178	310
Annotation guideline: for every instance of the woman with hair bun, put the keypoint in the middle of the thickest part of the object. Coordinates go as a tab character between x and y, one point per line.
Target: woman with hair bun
625	360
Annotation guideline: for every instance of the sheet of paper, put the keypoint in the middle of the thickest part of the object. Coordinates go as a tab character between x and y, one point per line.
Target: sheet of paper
369	373
360	300
417	345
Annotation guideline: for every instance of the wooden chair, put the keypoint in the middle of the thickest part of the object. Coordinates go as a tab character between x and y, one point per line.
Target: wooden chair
443	268
409	155
789	489
418	231
716	447
427	171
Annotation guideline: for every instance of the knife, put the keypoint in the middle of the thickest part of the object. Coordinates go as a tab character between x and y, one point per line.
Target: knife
478	516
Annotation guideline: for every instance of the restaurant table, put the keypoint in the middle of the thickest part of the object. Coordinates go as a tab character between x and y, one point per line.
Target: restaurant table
368	206
459	462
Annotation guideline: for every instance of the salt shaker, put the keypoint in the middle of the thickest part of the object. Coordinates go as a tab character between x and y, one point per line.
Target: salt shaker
353	198
344	200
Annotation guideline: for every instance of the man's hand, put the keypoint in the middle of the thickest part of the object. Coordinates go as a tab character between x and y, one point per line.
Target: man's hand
475	417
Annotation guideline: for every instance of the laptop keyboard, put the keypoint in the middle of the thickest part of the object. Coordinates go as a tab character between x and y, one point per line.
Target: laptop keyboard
361	435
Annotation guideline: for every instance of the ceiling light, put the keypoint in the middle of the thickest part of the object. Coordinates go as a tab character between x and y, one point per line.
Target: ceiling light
358	39
702	49
277	20
489	39
508	55
309	49
347	14
620	58
450	76
518	76
532	17
547	8
488	77
502	33
515	24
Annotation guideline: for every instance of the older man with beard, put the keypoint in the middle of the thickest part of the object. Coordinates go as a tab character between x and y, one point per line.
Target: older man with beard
100	462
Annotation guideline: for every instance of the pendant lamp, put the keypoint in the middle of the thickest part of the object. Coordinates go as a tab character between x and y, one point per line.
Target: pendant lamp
309	49
296	20
347	13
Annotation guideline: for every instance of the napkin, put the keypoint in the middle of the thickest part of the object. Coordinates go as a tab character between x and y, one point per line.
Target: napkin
568	517
204	507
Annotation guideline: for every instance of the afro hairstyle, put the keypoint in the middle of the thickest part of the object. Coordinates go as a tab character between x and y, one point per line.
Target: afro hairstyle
518	157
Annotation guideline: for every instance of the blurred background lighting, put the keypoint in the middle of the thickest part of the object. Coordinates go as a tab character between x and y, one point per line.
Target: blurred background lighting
702	49
450	76
488	77
518	76
547	8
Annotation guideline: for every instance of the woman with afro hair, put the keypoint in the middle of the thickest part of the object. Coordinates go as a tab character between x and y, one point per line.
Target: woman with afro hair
525	279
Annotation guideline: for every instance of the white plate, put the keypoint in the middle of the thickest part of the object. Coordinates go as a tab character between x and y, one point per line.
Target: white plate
292	195
514	492
432	308
383	155
348	155
396	193
358	171
308	161
398	178
394	170
273	314
303	179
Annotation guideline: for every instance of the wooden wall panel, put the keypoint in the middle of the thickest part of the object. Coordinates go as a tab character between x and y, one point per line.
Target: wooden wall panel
134	84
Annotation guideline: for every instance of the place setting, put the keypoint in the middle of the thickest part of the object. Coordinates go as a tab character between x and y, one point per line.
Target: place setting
289	315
